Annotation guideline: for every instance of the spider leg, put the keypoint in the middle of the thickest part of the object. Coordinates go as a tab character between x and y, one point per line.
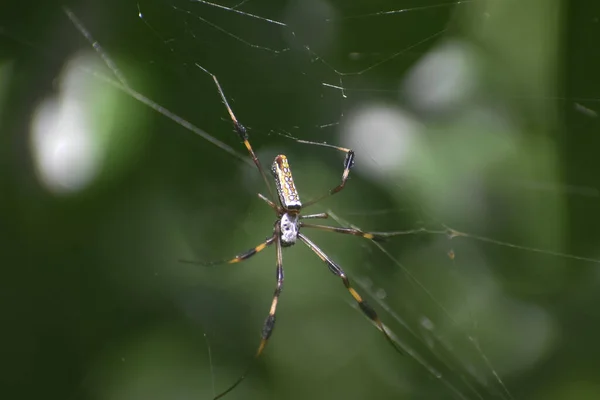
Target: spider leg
376	236
269	323
240	257
242	133
315	216
364	307
348	163
269	202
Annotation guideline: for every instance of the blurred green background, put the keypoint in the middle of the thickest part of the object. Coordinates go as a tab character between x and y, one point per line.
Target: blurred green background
480	116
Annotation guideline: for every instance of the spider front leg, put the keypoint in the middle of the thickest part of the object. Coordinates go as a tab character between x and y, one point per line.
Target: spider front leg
364	307
240	130
270	203
348	163
269	323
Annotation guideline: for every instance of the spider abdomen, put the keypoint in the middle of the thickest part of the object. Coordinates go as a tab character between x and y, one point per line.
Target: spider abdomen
288	195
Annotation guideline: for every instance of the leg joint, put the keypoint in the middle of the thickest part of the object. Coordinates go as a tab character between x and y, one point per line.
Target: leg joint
268	327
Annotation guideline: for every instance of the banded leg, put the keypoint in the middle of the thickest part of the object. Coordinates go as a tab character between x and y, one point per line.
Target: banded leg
241	131
364	307
348	163
270	321
376	236
240	257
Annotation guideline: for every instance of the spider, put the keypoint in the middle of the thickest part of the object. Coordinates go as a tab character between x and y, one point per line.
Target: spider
286	231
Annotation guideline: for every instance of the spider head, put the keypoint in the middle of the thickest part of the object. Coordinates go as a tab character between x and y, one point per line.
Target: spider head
289	227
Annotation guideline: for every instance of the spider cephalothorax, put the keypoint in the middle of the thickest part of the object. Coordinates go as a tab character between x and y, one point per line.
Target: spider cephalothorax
289	224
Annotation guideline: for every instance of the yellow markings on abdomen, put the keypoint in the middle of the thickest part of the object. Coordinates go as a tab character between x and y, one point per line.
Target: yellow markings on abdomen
288	195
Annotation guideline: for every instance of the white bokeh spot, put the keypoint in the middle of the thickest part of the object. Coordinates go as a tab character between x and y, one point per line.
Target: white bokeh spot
384	137
65	145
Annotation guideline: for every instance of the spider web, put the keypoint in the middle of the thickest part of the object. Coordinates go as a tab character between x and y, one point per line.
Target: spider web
461	160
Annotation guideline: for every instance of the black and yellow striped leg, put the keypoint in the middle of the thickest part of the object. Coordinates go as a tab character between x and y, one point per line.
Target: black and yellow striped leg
241	131
270	321
364	307
240	257
348	163
376	236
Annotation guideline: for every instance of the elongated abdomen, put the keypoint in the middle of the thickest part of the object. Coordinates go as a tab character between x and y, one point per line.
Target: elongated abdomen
288	196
